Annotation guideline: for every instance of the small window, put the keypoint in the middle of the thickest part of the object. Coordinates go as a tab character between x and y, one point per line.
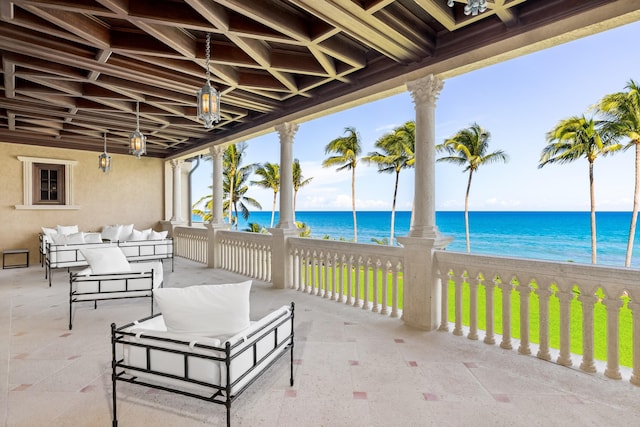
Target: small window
47	184
48	188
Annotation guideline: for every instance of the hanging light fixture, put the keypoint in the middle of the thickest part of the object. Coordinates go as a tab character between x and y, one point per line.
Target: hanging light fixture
104	160
473	7
137	141
208	97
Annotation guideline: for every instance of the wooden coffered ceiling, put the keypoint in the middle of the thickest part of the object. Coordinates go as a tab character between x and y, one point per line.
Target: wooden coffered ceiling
73	69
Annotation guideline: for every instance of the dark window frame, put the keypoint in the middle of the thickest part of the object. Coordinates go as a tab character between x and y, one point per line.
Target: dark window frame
48	184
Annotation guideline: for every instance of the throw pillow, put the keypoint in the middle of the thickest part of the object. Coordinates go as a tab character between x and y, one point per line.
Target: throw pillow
111	232
67	229
125	232
158	235
92	238
137	235
106	260
206	310
49	232
75	238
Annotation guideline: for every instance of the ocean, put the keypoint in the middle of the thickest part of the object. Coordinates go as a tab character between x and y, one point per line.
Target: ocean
556	236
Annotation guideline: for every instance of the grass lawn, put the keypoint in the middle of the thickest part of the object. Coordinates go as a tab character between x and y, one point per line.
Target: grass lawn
599	315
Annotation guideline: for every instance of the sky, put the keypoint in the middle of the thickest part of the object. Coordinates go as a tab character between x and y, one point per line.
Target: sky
517	101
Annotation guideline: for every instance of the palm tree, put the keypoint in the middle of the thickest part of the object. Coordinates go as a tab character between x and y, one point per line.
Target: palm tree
346	150
574	138
231	164
303	229
298	181
622	111
270	174
237	197
397	152
468	148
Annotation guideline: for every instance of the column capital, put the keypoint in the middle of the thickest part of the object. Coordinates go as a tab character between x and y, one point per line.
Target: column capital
217	150
176	163
425	89
287	130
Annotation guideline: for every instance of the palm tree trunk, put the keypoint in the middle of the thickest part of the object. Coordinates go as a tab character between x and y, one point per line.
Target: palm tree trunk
231	187
295	194
273	208
353	204
235	209
592	196
393	208
466	211
634	214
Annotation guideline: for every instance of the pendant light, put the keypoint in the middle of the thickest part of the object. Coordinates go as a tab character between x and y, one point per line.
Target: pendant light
137	141
208	97
104	160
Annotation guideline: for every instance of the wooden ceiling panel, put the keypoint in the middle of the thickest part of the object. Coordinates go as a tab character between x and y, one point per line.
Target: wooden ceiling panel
73	69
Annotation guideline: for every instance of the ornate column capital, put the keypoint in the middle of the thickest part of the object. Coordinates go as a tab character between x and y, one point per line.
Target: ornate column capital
287	130
425	89
175	163
217	150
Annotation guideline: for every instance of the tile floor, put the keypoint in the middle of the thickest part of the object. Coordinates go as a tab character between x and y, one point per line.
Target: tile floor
352	368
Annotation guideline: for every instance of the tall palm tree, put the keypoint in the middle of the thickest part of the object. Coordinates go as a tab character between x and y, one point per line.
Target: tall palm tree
397	152
622	111
298	181
469	148
270	179
572	139
346	151
237	196
231	164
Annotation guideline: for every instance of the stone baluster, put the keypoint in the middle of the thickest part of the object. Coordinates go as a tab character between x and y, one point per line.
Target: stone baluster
349	300
565	296
457	330
356	299
613	305
489	316
337	272
394	295
635	313
367	267
328	289
544	294
376	285
525	292
315	283
385	288
588	299
506	287
473	308
444	298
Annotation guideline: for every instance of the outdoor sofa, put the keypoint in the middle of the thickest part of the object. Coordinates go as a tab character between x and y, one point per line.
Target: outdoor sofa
168	352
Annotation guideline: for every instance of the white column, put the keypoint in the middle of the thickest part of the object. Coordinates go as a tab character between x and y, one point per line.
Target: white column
424	92
176	166
422	287
217	216
287	131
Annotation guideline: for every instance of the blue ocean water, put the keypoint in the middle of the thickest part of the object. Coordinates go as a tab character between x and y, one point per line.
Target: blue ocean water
557	236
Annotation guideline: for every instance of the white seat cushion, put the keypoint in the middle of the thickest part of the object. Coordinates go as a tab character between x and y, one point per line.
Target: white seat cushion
206	310
106	260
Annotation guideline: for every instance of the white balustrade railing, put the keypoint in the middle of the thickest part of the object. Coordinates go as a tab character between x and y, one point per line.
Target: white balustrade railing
515	285
360	275
246	253
191	243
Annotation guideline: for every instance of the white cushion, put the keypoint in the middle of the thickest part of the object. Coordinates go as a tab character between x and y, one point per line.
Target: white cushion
158	235
111	232
49	232
75	238
106	260
207	310
125	232
67	229
92	238
59	239
138	236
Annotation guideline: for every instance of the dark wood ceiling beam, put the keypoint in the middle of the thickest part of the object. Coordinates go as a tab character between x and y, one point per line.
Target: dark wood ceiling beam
76	6
102	57
173	37
68	87
11	120
277	19
8	73
93	32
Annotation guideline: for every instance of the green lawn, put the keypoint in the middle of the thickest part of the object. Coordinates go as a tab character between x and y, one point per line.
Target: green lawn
599	315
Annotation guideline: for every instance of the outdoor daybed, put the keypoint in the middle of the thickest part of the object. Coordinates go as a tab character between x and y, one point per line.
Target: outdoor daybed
65	250
111	276
188	350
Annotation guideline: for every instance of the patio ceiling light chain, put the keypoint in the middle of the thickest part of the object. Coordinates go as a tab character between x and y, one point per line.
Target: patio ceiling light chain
137	141
104	159
208	97
473	7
